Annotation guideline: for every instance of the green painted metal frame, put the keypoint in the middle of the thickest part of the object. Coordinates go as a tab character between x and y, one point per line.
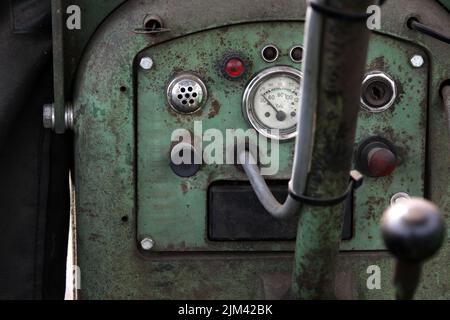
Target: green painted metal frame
68	46
172	210
167	200
105	176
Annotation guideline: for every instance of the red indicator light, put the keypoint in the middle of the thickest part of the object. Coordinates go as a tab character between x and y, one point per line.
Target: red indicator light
235	67
381	162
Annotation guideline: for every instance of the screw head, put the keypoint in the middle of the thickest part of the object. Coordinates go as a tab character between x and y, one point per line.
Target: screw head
146	63
417	61
147	244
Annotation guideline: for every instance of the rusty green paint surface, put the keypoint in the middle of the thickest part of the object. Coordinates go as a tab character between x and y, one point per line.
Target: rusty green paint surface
404	124
111	264
164	199
68	46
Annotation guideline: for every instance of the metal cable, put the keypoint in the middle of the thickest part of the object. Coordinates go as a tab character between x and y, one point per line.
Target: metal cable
414	24
333	12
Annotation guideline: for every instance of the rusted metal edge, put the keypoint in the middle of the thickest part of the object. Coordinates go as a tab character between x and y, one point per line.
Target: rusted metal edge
58	65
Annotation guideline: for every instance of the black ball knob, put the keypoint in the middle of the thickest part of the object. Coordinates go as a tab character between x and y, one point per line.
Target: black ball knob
413	229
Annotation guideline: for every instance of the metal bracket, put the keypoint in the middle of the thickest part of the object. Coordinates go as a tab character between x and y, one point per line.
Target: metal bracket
59	103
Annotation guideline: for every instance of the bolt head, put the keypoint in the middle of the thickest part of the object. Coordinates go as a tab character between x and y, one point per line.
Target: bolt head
48	116
417	61
146	63
147	244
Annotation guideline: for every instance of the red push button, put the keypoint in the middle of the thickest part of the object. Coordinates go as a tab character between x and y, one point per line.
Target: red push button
381	161
235	67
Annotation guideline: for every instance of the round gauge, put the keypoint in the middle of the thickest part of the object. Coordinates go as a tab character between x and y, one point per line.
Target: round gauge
271	102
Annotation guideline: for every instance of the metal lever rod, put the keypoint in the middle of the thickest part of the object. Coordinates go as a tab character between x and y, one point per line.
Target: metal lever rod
333	68
340	66
59	111
413	230
305	131
263	192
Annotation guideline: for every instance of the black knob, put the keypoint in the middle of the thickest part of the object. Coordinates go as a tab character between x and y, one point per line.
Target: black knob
413	229
185	161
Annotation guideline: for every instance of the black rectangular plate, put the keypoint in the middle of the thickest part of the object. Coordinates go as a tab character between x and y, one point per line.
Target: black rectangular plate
235	213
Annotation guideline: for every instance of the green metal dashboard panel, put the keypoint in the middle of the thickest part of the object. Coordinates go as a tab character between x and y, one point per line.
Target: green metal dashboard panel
115	115
404	124
173	210
165	199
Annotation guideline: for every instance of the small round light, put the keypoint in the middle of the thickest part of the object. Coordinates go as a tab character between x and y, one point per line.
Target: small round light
235	67
296	54
270	53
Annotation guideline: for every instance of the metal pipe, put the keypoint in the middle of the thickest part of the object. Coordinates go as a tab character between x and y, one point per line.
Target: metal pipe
342	58
58	11
305	131
308	104
334	65
263	192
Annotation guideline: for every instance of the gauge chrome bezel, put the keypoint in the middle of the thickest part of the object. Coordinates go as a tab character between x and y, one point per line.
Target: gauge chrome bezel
249	95
276	56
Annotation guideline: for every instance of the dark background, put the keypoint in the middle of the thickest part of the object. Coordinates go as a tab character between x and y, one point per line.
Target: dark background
34	162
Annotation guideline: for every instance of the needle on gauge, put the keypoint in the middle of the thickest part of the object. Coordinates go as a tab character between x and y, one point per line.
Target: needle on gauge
280	115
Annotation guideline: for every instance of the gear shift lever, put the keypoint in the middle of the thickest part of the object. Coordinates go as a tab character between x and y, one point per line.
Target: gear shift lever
413	230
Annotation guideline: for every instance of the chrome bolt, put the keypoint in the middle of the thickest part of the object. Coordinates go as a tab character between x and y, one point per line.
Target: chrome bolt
399	197
146	63
68	116
147	244
417	61
48	116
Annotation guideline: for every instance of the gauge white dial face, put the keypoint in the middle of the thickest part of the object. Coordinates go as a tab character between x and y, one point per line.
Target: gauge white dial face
276	102
271	101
